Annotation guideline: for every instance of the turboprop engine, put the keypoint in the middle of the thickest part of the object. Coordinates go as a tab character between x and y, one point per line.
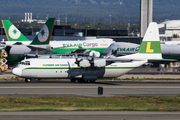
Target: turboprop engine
94	54
90	62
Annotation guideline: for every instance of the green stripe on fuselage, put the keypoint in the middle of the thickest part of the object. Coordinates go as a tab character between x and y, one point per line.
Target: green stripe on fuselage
67	50
77	68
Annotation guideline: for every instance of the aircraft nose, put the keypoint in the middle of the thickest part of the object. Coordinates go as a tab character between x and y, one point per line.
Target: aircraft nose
17	71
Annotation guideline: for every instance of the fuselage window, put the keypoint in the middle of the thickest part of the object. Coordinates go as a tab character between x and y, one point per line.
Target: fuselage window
22	63
27	62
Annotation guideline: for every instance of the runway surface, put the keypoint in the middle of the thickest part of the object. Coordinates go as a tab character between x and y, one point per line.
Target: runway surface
110	88
90	115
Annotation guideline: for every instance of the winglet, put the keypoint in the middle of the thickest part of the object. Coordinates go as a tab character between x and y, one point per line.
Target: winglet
44	35
12	33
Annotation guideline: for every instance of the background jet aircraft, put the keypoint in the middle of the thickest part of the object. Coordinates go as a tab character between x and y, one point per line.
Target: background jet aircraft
125	48
61	47
40	44
90	69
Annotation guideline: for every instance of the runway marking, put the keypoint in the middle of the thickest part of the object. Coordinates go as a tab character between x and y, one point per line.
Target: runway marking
92	87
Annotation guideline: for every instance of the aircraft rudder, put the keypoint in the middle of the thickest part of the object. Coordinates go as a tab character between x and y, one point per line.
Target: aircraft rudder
151	42
12	33
44	35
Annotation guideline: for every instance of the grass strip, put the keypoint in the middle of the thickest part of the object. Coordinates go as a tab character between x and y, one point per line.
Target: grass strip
49	103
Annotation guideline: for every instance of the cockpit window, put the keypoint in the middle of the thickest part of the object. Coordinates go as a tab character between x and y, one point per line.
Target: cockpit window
25	63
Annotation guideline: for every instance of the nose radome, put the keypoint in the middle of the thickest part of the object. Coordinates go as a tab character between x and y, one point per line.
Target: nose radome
17	71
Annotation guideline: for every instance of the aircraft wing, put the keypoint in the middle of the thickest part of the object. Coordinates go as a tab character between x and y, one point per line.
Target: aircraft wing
39	47
120	60
80	51
162	60
129	60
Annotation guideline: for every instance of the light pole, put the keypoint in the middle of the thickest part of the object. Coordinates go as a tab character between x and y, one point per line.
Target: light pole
109	19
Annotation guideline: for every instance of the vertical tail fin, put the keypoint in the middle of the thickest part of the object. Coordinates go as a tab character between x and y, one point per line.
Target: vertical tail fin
44	35
12	33
150	47
151	42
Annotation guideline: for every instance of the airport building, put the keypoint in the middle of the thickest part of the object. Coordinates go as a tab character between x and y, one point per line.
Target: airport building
67	32
169	29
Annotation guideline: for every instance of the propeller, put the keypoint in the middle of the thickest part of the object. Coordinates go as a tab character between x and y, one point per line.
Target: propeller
91	61
77	61
51	52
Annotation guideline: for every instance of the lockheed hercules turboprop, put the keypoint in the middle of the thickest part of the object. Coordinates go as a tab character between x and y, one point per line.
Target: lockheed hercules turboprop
84	69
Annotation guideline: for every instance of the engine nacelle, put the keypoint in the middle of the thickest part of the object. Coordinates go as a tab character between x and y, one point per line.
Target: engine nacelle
100	63
94	54
84	63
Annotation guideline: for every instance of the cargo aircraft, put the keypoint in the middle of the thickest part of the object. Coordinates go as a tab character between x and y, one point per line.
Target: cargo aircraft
14	36
84	69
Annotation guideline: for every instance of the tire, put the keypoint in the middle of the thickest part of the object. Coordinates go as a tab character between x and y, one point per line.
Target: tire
28	80
73	80
92	81
80	80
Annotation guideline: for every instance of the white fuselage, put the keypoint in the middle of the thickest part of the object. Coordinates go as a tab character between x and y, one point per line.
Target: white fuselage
66	68
100	42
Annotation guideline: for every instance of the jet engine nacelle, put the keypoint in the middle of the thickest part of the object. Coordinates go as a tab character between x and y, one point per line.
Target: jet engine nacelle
94	54
24	49
17	49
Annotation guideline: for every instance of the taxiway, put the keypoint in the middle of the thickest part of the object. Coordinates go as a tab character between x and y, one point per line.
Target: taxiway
110	88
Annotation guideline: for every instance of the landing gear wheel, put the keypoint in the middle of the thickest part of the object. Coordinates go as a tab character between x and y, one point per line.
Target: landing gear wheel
28	80
73	80
92	81
85	81
80	80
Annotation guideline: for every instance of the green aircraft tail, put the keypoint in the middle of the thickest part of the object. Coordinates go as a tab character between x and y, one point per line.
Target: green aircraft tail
12	33
151	42
44	35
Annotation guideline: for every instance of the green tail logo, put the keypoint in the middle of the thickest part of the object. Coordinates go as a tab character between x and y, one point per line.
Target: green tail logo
44	35
151	42
150	47
12	33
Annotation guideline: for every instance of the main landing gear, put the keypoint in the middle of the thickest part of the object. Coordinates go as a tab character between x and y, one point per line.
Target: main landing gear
28	80
82	81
